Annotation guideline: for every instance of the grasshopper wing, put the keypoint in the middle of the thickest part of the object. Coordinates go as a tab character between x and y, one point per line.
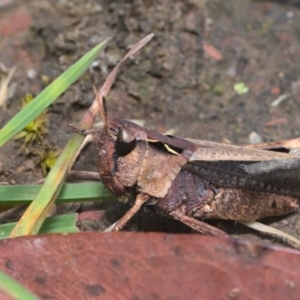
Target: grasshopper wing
263	169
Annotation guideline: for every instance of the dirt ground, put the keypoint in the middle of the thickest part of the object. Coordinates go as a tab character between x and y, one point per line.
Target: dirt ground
182	80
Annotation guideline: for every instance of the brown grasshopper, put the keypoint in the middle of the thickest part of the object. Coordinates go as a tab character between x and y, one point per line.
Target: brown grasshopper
191	180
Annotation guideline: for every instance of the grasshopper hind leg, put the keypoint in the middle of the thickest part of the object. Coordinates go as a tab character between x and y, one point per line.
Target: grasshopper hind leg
186	195
197	225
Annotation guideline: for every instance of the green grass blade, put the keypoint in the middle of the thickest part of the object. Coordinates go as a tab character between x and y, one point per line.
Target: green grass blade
58	224
49	95
70	192
14	289
33	218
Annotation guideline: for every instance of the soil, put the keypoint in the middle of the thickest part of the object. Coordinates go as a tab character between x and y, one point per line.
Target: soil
182	80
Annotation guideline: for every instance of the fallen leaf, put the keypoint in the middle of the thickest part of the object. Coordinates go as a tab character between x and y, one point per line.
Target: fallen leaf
211	51
150	266
275	122
240	88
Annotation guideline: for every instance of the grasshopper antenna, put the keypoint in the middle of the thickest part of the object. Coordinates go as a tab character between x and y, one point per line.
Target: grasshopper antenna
101	102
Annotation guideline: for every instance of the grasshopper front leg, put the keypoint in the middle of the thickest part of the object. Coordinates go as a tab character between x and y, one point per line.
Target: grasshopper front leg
140	200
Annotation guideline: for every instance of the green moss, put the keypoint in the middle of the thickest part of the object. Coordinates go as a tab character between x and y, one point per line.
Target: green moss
36	129
217	89
48	160
34	141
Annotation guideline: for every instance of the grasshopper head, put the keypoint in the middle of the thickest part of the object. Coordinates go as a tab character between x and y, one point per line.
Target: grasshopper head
122	148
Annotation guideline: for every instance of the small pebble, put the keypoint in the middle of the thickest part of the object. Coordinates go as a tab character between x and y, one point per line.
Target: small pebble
95	39
231	72
98	8
31	73
104	70
64	59
5	2
95	64
255	138
290	14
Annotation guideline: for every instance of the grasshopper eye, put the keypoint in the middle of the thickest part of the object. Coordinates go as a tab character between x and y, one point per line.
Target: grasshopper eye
114	131
123	145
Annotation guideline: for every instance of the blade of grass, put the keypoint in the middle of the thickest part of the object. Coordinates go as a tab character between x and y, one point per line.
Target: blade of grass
34	216
58	224
70	192
49	95
271	230
14	289
32	220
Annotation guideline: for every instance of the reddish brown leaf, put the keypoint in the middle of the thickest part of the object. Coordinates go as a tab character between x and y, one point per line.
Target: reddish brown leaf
275	122
15	23
275	90
211	51
94	215
3	296
150	266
